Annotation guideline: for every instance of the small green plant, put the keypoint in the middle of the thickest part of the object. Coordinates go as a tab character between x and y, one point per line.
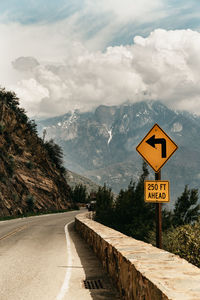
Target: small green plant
15	198
29	165
18	149
2	178
8	139
30	202
2	127
10	166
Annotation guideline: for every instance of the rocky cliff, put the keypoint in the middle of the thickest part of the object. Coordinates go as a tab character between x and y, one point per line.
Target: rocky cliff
31	174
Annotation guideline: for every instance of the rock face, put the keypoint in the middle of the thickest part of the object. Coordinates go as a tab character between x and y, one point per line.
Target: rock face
30	180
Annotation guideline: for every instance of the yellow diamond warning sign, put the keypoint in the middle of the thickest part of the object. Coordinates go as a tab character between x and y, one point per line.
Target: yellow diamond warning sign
156	148
156	191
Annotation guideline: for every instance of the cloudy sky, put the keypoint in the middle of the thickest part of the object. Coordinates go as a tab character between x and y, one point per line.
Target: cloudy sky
76	54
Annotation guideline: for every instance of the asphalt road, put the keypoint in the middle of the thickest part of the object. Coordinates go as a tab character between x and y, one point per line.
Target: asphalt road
43	258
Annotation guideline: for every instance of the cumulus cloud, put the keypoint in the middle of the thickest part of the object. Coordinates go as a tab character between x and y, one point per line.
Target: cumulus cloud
55	56
163	66
25	63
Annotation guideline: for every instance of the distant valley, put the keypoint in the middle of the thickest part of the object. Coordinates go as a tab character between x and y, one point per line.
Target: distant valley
101	144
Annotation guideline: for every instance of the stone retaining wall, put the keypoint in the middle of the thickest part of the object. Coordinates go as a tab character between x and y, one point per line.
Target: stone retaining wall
140	271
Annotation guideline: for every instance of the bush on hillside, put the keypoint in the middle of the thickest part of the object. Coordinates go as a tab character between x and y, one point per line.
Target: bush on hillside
29	164
2	127
129	213
10	166
104	206
56	155
186	209
78	194
185	242
32	126
30	202
135	217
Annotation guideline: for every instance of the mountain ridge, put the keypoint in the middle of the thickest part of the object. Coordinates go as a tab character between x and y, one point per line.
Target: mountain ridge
101	144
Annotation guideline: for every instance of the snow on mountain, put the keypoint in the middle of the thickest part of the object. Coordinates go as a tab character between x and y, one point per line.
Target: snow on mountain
101	144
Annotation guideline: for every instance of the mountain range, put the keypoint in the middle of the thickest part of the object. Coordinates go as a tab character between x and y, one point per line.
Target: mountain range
101	144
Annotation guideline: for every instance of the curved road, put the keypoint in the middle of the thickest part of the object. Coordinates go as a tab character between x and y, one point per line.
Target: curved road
35	262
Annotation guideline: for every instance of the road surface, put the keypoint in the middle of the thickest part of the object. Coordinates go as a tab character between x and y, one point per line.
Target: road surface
43	258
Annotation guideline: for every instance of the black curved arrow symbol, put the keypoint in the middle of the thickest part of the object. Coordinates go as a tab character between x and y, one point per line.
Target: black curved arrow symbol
153	141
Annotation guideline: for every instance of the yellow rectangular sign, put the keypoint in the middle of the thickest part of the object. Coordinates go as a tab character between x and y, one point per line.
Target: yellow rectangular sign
156	191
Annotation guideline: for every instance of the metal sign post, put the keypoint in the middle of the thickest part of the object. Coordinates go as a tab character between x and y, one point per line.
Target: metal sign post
157	148
158	218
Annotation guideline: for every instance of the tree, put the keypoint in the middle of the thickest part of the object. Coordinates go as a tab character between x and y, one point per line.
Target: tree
124	206
133	216
186	209
79	194
56	154
143	213
104	206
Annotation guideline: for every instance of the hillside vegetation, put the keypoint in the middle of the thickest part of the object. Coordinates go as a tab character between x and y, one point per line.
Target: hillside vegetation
32	177
129	214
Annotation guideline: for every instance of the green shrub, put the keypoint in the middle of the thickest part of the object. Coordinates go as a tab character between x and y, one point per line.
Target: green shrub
30	202
185	242
187	209
129	213
78	194
23	117
56	155
32	126
15	198
29	165
10	166
18	149
104	206
8	139
2	127
2	178
133	216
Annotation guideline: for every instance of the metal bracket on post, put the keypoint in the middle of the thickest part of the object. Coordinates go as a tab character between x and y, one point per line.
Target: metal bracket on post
158	218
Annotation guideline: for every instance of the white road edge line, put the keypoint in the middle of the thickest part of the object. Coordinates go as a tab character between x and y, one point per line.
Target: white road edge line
65	285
